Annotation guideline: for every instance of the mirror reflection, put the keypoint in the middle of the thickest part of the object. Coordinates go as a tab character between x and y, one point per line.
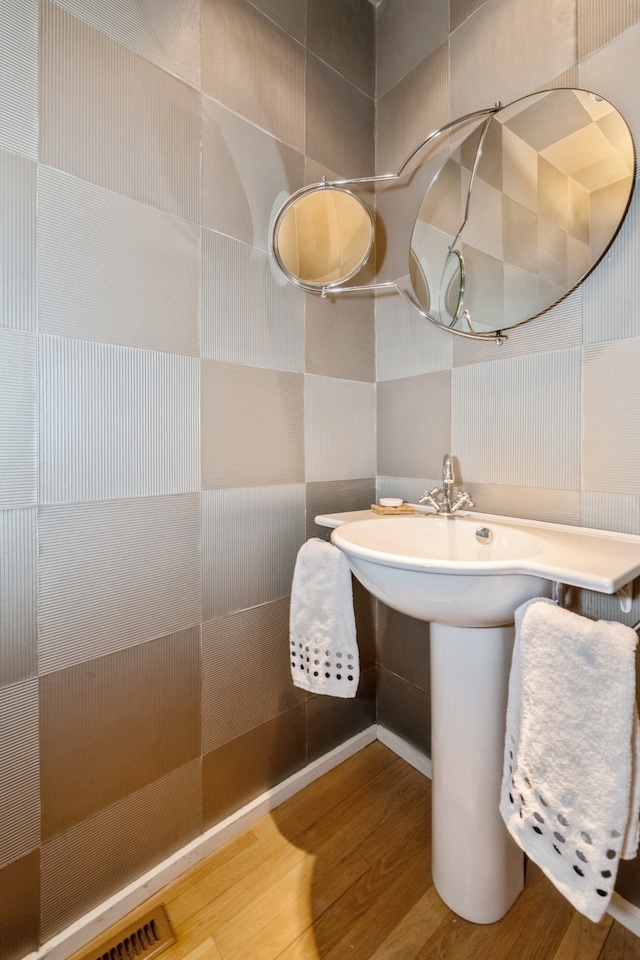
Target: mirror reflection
322	236
521	211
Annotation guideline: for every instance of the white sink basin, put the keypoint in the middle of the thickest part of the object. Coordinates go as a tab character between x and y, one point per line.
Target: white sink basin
450	571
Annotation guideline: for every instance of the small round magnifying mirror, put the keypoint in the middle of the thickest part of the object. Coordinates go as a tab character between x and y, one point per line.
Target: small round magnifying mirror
322	236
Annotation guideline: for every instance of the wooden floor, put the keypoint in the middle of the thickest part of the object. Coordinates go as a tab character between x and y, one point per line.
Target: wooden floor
341	871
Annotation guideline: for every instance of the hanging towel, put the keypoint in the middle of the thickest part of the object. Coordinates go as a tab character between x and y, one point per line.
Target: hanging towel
570	787
322	627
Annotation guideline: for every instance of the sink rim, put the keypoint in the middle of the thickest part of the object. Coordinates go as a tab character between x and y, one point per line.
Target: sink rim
597	559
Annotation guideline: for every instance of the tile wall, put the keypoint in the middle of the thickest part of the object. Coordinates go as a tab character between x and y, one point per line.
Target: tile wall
171	420
545	426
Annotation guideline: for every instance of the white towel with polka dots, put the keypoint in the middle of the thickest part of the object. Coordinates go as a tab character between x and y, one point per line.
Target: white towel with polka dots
570	792
322	627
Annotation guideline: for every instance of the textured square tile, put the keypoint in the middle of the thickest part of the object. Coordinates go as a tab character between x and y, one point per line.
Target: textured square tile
533	503
517	421
403	646
96	859
18	584
414	424
508	49
88	758
115	574
246	175
332	721
291	15
253	67
340	122
19	776
404	710
166	32
111	117
18	419
18	187
406	33
461	9
611	511
336	496
611	411
250	313
600	23
612	290
415	107
250	540
20	898
19	77
240	771
339	447
115	270
246	674
340	336
342	33
96	405
252	426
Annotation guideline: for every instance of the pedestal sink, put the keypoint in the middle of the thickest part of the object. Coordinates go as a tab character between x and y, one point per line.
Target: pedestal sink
467	575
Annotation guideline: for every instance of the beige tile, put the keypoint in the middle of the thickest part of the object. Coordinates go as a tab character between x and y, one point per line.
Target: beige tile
599	24
250	538
19	772
414	424
88	756
339	429
291	15
406	33
415	107
240	771
405	710
253	67
95	859
246	675
508	49
406	343
115	119
167	34
336	496
403	646
342	33
18	199
340	122
332	720
252	426
20	897
340	336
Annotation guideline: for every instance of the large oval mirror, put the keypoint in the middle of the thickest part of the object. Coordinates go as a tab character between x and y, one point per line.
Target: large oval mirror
521	211
322	236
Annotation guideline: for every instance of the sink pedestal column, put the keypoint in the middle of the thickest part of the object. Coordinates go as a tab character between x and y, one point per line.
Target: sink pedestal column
477	868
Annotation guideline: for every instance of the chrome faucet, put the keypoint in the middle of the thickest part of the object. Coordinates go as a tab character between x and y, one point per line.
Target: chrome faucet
448	500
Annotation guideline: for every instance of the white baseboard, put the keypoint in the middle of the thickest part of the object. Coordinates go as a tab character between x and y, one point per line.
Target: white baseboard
99	920
625	913
405	750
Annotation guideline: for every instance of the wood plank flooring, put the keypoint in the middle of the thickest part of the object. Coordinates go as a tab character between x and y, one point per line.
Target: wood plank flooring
341	871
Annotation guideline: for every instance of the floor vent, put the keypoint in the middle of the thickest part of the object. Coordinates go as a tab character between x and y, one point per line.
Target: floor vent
143	938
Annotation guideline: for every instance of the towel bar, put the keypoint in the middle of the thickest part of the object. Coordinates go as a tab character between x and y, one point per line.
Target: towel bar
558	594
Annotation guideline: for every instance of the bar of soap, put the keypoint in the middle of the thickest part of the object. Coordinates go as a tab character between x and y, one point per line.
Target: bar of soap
391	501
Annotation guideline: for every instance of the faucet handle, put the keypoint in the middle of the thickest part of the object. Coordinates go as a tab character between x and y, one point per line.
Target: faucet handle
429	498
462	499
